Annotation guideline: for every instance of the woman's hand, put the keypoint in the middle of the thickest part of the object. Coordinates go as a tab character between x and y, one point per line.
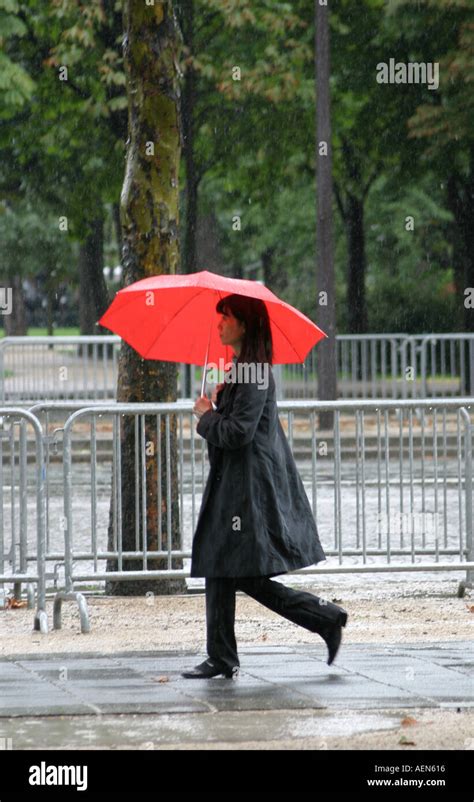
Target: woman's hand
217	389
201	405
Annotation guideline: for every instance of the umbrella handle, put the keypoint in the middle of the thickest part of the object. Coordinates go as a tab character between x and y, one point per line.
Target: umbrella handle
205	365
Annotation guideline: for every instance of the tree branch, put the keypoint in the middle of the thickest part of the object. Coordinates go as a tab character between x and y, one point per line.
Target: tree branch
205	23
202	170
370	181
339	201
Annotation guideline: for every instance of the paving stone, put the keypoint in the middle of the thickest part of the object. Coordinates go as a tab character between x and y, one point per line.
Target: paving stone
364	676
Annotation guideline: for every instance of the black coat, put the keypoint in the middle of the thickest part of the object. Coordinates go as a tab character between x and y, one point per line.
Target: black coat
255	517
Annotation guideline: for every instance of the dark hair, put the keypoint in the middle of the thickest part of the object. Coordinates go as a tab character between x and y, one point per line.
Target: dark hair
257	343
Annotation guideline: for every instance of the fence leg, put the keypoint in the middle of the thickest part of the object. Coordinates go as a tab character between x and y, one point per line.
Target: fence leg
41	622
468	582
81	603
30	595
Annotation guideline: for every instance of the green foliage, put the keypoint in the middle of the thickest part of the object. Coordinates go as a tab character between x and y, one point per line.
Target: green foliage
63	142
32	242
415	305
69	136
287	227
410	272
16	85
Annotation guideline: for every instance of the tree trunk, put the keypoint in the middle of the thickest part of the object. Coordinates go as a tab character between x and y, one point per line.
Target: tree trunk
117	227
356	302
189	99
93	297
149	217
50	311
460	193
326	310
467	235
15	323
208	246
187	110
274	278
459	256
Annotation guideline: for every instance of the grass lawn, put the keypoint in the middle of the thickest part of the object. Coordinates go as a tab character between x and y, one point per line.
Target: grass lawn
288	374
288	371
71	331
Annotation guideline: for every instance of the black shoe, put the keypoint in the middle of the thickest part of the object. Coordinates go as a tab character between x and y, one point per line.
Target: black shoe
209	669
333	636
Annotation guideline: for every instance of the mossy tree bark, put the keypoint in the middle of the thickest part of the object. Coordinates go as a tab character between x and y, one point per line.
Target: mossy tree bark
149	214
325	278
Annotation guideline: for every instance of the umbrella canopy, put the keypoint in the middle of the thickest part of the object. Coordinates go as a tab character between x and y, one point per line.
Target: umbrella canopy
173	318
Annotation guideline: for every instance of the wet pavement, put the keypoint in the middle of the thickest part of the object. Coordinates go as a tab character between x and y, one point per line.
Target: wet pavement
282	692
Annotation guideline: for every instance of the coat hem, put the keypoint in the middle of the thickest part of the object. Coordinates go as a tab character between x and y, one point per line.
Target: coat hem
280	572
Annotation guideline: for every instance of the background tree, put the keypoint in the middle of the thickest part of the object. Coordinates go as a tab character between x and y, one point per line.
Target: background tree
444	123
72	163
254	147
32	243
150	224
326	355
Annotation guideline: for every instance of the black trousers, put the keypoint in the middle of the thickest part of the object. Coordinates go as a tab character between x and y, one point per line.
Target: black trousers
302	608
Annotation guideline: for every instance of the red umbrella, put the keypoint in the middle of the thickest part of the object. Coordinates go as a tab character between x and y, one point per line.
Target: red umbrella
173	318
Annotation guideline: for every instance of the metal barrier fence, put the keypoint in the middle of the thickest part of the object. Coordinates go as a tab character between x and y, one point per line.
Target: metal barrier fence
390	485
66	368
34	368
369	366
443	362
101	451
15	543
52	416
392	366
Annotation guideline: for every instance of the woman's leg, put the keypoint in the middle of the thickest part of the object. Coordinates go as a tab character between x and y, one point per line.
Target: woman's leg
220	620
305	609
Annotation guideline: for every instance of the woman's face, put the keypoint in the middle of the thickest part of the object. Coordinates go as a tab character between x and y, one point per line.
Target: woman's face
231	330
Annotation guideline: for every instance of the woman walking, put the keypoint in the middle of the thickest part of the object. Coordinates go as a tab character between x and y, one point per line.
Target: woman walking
255	520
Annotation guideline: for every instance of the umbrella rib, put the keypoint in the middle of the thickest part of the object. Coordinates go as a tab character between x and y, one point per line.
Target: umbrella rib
175	315
288	341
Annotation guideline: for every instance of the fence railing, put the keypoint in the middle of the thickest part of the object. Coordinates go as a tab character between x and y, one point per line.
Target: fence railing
16	546
443	362
404	501
368	365
392	366
54	368
390	487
